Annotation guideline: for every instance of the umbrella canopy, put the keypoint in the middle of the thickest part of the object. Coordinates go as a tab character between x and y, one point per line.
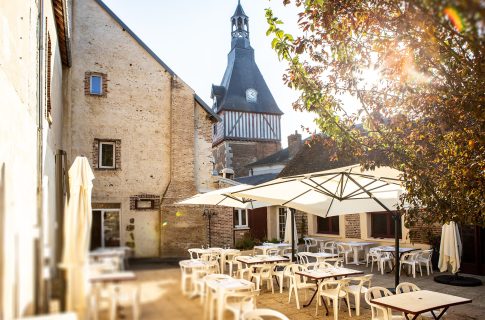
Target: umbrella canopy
450	248
77	231
288	225
225	197
336	192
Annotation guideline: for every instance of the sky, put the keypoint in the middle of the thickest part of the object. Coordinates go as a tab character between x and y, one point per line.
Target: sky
193	37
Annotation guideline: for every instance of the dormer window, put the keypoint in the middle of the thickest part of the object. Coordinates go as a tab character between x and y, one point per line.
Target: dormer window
251	95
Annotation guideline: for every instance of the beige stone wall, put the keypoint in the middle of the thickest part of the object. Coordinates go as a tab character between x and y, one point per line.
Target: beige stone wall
18	152
165	136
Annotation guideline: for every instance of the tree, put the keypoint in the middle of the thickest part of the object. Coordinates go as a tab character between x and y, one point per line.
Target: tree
416	70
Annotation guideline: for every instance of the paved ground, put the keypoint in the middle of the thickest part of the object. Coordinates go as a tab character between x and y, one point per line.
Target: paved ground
161	297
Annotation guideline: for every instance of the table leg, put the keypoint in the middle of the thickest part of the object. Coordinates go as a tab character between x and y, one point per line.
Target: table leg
356	255
440	315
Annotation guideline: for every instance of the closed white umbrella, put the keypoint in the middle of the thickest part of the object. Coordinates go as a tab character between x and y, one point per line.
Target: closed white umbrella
288	225
336	192
225	197
450	248
77	231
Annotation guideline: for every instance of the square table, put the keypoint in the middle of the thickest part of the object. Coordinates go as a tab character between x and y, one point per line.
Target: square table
419	302
320	256
325	273
356	246
221	287
264	248
259	259
112	277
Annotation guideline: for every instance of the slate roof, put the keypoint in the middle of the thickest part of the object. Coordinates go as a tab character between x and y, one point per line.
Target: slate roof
312	158
257	179
241	74
239	11
281	156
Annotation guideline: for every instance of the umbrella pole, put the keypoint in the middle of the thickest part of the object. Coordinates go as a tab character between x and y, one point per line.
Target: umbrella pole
292	234
397	223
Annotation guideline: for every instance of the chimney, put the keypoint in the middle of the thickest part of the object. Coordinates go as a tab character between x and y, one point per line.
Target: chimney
294	143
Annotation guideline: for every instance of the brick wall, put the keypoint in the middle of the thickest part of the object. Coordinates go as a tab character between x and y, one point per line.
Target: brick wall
352	226
244	153
424	233
301	219
221	227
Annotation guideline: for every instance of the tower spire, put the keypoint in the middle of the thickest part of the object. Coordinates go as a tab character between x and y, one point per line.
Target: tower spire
240	26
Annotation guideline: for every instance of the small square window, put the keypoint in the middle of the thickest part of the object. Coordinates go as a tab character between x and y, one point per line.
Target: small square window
107	155
144	204
96	85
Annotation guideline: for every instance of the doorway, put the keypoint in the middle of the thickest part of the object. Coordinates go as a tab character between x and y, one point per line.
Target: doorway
258	223
106	227
473	257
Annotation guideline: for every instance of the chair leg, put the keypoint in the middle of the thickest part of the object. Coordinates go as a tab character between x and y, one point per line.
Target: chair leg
335	308
357	304
297	299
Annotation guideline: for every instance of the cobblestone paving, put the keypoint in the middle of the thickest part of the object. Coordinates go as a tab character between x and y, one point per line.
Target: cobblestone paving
161	298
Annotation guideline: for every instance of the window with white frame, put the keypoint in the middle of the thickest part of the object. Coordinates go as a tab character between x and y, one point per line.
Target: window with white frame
107	154
240	218
282	222
96	85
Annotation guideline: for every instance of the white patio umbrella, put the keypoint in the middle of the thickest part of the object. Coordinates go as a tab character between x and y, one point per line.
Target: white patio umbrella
77	232
450	248
224	197
335	192
288	224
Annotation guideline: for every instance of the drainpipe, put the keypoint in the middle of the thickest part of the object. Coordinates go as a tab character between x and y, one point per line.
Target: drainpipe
172	79
39	288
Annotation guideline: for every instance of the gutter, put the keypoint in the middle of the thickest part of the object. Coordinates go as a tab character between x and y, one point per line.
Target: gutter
40	300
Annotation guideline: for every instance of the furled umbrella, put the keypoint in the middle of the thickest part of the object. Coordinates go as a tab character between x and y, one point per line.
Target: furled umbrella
450	248
336	192
77	231
289	233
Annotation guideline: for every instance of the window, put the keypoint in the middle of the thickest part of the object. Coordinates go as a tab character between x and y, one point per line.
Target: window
251	95
328	225
282	222
105	230
382	225
240	218
96	85
144	204
107	155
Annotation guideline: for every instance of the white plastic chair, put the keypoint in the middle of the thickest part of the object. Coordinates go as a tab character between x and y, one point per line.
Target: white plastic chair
186	273
410	259
261	314
231	261
194	254
310	243
281	271
425	258
240	302
343	251
379	312
264	273
382	258
336	262
296	284
125	294
373	255
333	290
330	247
404	287
359	289
273	252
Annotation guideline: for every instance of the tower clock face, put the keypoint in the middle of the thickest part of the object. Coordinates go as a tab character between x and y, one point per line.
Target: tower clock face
251	95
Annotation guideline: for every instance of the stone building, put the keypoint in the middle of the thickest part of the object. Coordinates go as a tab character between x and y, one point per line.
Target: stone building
34	67
250	128
146	132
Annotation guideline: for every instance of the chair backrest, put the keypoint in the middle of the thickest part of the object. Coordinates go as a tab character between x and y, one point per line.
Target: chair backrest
364	281
230	257
193	254
404	287
258	314
374	250
426	254
324	264
340	250
302	258
376	310
273	252
338	285
330	244
244	299
409	256
337	262
265	271
209	256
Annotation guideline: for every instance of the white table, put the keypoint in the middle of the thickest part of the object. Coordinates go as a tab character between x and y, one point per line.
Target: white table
112	277
265	247
320	256
259	259
221	287
357	246
418	302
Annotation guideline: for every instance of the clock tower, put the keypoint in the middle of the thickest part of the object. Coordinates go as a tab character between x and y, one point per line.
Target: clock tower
251	120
